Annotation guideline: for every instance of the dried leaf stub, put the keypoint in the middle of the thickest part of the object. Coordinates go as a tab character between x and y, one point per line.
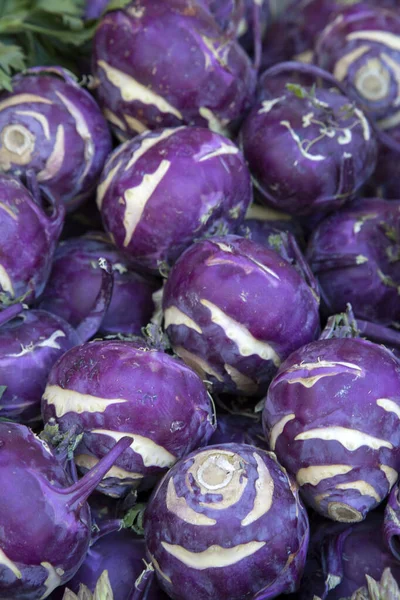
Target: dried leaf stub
103	590
386	589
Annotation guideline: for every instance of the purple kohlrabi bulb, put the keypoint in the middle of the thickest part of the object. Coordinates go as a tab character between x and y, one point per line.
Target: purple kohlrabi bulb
122	554
331	417
341	556
76	277
51	125
163	189
31	341
234	310
226	522
108	389
28	236
361	47
45	523
309	150
164	64
354	254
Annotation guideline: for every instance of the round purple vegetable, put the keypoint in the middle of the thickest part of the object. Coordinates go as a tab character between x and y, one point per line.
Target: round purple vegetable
341	556
31	341
76	277
163	189
226	522
309	150
234	310
108	389
45	523
164	64
122	555
355	254
51	125
361	47
331	417
28	237
293	35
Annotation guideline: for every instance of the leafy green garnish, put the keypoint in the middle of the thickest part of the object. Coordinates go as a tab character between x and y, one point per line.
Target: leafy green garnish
44	32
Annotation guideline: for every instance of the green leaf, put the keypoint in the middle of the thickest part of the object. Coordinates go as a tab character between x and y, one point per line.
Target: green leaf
71	7
2	390
297	90
11	58
116	5
134	519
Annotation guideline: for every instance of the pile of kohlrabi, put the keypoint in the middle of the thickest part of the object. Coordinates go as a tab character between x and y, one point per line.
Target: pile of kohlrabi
200	299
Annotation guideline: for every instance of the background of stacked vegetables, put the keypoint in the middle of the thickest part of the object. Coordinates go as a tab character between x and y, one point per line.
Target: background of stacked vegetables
200	299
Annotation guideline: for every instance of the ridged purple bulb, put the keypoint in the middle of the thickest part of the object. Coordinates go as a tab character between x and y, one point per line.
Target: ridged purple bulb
163	189
308	151
331	417
75	281
226	522
28	237
50	125
234	310
122	554
354	255
192	74
109	389
361	47
45	522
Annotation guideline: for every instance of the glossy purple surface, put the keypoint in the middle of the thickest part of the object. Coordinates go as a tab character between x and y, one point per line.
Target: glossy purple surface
367	63
53	126
163	189
119	387
330	417
234	310
164	64
76	278
354	255
226	523
308	154
28	237
30	344
45	523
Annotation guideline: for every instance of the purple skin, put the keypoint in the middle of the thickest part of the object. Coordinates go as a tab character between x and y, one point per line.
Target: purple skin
293	35
128	389
234	310
340	557
391	527
320	156
122	554
31	341
75	280
385	182
28	237
330	417
226	522
193	75
238	429
49	124
355	254
163	189
366	63
45	523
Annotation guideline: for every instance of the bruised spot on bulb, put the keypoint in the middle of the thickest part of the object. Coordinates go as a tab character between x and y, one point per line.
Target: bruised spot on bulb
338	511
